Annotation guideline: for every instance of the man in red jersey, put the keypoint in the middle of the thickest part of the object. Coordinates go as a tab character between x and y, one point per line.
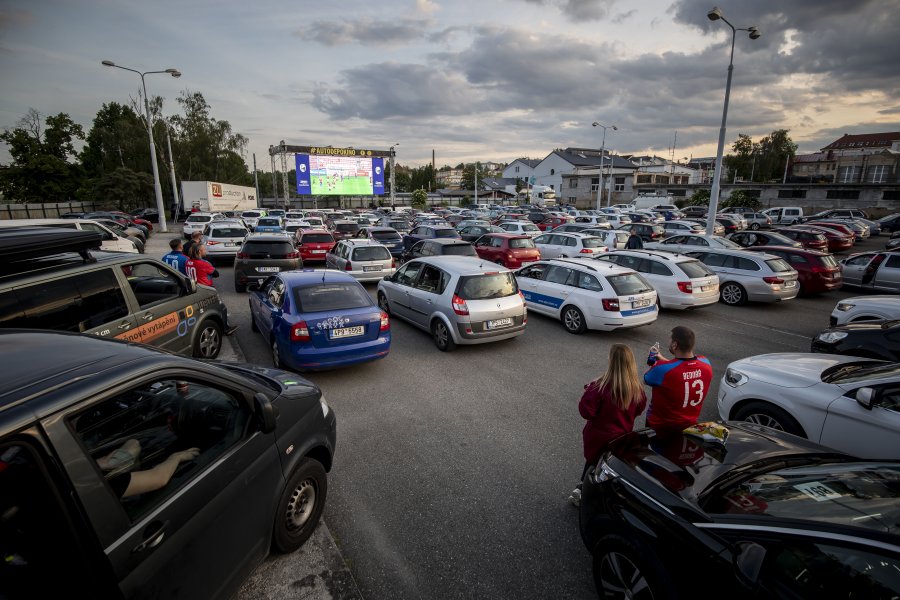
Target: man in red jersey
679	384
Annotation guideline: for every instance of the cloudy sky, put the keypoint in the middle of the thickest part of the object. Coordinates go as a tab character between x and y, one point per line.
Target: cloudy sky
487	80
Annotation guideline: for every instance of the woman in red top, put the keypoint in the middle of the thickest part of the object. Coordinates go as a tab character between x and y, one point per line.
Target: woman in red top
610	404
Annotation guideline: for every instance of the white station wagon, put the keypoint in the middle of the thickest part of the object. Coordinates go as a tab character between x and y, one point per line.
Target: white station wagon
588	294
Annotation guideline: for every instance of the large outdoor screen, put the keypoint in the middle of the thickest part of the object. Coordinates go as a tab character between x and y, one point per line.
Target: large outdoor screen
339	175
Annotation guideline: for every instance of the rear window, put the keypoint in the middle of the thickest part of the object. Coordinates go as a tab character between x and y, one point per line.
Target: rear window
694	269
628	284
385	235
828	261
530	227
347	227
521	243
228	232
398	224
592	243
778	265
249	214
266	221
371	253
331	296
487	286
445	233
267	249
459	250
316	238
199	219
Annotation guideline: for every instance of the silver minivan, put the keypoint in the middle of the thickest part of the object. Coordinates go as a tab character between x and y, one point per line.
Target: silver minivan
365	260
753	276
458	299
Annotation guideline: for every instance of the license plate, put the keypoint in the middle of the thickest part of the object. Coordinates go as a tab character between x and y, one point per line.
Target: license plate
497	323
368	269
708	288
347	332
318	252
640	303
268	269
231	243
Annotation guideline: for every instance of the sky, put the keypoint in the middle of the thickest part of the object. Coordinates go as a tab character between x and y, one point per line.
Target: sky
471	80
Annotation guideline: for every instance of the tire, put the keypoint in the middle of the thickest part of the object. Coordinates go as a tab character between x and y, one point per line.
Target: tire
442	337
383	303
733	294
208	341
754	226
300	507
253	326
573	319
276	355
763	413
625	569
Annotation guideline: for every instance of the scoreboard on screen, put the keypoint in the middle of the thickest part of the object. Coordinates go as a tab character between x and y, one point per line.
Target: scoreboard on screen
340	172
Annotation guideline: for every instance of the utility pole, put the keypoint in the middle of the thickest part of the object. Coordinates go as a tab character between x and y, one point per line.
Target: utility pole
256	177
175	198
274	181
393	178
475	165
284	175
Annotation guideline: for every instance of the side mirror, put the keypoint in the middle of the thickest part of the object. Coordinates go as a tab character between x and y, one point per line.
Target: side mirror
866	397
191	285
388	278
749	561
265	413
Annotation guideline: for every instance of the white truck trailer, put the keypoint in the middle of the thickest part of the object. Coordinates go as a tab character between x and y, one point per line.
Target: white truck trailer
209	196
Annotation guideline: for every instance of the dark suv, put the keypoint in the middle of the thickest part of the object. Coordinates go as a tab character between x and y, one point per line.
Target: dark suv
129	472
261	255
438	247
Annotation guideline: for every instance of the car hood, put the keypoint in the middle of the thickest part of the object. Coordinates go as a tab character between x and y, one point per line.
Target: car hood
879	301
789	370
859	327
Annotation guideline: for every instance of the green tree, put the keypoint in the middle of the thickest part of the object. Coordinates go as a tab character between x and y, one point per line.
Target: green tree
124	188
740	198
761	161
468	178
419	199
422	178
699	198
117	139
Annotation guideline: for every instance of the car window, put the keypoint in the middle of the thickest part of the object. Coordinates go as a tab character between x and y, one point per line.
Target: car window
487	286
430	280
586	281
859	261
521	243
658	268
407	274
77	303
371	253
496	242
137	433
675	239
560	275
275	293
543	239
458	250
151	284
746	264
445	233
331	296
693	240
533	271
712	259
592	242
893	262
629	284
778	265
631	262
228	232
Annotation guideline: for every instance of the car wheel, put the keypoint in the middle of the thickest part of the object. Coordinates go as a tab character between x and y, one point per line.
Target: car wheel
763	413
754	226
622	569
733	294
300	507
253	326
573	320
208	341
276	354
442	337
383	303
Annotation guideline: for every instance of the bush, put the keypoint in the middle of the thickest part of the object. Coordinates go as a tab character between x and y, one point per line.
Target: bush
700	198
419	199
741	198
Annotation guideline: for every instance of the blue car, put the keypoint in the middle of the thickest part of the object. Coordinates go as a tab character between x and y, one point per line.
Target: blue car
269	225
319	319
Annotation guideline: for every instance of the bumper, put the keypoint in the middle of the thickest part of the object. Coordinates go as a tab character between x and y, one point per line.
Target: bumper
819	346
310	257
370	276
615	320
472	333
820	284
308	358
686	301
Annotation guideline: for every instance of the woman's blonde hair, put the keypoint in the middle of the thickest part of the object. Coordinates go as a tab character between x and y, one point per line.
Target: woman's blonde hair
621	378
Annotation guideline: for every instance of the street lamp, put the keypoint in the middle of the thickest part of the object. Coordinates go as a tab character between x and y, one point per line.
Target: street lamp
156	187
715	15
602	148
393	154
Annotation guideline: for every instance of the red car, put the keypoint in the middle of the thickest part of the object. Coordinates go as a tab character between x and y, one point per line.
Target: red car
508	249
817	271
133	219
810	238
836	226
551	223
314	244
837	241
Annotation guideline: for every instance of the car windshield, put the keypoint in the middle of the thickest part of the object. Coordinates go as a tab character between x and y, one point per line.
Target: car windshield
347	227
487	286
459	250
857	494
228	232
445	233
386	235
521	243
199	218
592	242
778	265
530	227
860	371
269	223
249	215
371	253
628	284
331	296
694	269
316	238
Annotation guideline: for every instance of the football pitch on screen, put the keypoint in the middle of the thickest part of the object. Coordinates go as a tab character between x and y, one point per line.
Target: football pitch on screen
349	186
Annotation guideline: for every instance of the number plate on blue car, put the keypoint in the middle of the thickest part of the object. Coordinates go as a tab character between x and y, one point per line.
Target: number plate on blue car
347	332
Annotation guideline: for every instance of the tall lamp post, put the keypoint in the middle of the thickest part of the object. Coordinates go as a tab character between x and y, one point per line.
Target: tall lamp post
716	15
602	148
393	154
156	187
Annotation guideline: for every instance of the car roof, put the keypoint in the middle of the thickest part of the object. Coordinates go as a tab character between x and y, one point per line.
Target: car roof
590	265
508	235
312	276
463	265
362	242
661	254
388	229
789	249
267	237
446	242
738	251
306	231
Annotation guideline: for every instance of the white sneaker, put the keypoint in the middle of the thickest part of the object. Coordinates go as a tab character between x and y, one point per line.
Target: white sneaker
575	497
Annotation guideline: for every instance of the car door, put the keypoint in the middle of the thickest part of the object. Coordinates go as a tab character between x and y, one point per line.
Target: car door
865	432
424	295
887	277
399	292
270	302
556	285
164	314
546	243
853	269
200	532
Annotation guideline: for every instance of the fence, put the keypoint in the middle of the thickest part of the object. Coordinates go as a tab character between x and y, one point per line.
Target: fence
44	211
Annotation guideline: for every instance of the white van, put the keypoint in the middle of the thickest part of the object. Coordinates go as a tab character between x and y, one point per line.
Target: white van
112	242
784	215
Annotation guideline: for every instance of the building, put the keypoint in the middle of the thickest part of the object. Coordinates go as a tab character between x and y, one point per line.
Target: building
499	184
451	178
660	171
521	168
866	158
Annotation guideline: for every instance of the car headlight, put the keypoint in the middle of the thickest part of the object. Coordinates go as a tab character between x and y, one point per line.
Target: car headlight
604	472
324	404
844	306
830	337
735	378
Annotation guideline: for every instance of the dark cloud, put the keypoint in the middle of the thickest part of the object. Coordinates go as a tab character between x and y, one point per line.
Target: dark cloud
823	137
365	31
15	18
580	10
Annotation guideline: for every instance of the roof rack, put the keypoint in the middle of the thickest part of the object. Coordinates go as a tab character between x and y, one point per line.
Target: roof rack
23	243
575	262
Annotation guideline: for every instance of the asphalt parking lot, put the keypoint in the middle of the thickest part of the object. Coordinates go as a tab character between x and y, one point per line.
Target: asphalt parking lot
452	469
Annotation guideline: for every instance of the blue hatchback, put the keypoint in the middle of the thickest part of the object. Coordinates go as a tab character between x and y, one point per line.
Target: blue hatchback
269	225
319	319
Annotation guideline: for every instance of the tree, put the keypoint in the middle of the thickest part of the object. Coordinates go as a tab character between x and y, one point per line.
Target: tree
700	198
124	188
741	198
117	139
468	178
422	177
761	161
419	199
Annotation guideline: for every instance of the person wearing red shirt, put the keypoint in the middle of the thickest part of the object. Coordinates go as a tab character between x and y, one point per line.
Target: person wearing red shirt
202	271
610	405
679	384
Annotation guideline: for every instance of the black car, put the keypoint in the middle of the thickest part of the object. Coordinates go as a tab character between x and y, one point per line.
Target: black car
438	247
762	238
649	232
766	515
890	223
130	472
730	225
894	242
870	339
428	232
151	214
470	233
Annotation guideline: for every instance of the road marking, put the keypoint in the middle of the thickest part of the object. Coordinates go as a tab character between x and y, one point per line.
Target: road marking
782	331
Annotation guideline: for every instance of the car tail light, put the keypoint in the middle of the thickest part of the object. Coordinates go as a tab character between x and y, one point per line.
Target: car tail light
243	255
459	305
686	287
300	332
773	280
393	263
349	266
611	304
292	255
385	322
585	251
212	243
